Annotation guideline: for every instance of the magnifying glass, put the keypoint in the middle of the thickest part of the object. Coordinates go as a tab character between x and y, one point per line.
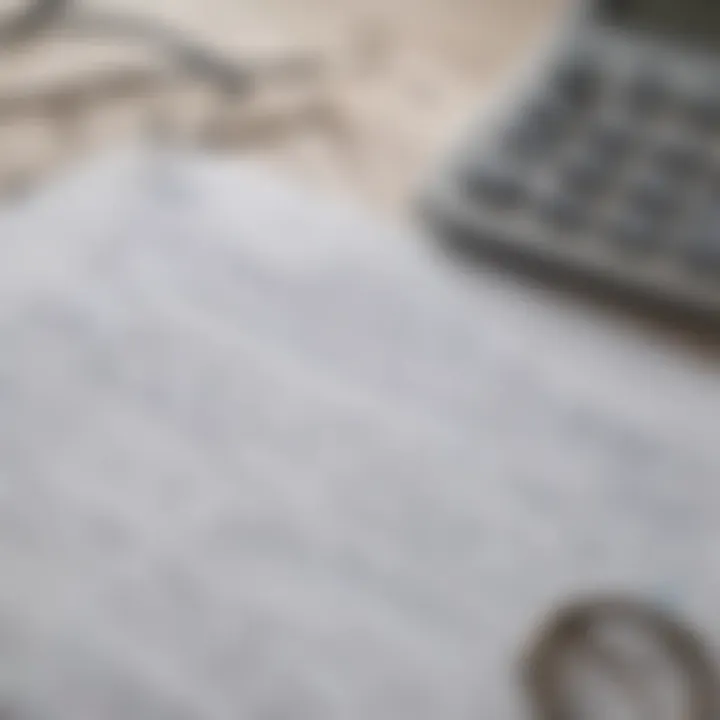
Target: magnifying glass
592	654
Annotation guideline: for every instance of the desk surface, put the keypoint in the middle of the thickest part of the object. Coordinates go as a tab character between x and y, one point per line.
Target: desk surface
265	458
397	80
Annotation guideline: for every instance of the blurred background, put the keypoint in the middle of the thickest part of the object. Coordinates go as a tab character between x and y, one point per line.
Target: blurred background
252	471
391	80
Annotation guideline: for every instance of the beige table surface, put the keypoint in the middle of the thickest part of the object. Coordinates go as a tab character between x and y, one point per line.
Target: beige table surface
398	77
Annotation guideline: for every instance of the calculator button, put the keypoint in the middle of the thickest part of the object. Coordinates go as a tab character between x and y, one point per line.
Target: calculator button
551	114
611	138
654	193
561	209
586	172
550	111
578	79
634	232
496	186
702	249
531	144
704	112
539	130
678	157
646	93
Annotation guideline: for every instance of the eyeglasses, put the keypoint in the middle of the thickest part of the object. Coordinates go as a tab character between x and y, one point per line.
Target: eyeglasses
58	107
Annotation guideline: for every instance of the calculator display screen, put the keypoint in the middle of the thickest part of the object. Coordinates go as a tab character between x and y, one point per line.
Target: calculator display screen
688	20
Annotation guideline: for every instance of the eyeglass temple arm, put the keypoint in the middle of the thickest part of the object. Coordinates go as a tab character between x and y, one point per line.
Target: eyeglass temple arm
33	18
189	56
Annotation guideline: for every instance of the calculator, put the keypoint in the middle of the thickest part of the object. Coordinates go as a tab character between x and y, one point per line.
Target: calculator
604	158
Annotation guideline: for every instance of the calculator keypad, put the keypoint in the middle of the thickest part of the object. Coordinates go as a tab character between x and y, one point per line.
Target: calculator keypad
611	160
